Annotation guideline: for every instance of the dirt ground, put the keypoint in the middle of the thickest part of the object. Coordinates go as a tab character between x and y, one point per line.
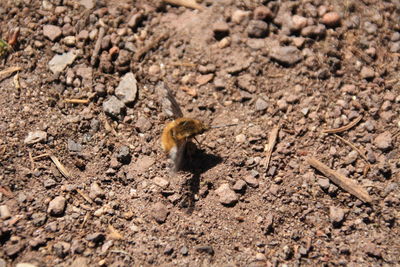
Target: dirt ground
84	180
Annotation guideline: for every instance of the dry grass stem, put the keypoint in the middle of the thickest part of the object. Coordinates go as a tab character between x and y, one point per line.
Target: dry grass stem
10	70
341	180
60	167
76	101
273	136
86	197
344	128
151	45
186	3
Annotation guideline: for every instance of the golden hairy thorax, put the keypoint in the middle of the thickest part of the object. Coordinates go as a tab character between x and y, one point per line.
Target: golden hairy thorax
177	132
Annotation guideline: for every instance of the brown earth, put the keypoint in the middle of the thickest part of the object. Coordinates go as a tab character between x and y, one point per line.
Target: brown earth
302	66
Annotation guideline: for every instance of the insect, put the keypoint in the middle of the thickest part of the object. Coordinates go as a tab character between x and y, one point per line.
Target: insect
181	130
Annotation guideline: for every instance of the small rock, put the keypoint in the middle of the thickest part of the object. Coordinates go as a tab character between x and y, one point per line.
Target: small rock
204	79
35	137
96	191
95	237
336	215
3	263
286	55
88	4
134	21
160	212
184	251
226	195
13	250
83	35
261	104
384	141
372	250
127	89
113	107
395	37
59	62
240	138
205	249
220	29
331	19
257	29
57	206
260	257
143	124
314	31
169	249
262	13
49	183
238	16
5	212
52	32
69	40
73	146
161	182
39	218
80	261
298	23
370	28
219	83
251	181
287	252
323	183
124	155
351	157
61	249
367	73
239	186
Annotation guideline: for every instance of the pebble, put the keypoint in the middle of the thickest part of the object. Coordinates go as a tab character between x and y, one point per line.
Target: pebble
61	249
96	191
5	212
257	29
113	107
323	183
251	181
35	137
204	79
95	237
13	250
74	146
161	182
238	16
39	218
226	195
3	263
367	73
336	215
370	28
57	206
239	185
298	23
59	62
160	212
240	138
371	249
83	35
286	55
220	29
394	47
49	183
205	249
127	89
314	31
134	21
351	157
52	32
262	13
384	141
395	37
124	154
331	19
143	124
184	251
260	257
79	261
261	104
69	40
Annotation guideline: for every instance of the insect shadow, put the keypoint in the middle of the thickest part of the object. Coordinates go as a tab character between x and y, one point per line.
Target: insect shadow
199	163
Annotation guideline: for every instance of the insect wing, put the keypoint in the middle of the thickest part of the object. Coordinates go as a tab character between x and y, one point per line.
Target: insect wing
169	105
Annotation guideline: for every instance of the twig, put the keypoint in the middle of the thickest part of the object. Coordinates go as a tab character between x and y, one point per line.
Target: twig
186	3
340	180
85	219
344	128
10	70
76	101
152	44
271	144
88	199
31	160
97	46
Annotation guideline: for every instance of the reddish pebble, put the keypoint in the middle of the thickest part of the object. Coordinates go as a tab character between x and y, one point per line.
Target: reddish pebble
331	19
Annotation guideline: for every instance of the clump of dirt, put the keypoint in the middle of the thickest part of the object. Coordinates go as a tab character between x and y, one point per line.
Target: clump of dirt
83	178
